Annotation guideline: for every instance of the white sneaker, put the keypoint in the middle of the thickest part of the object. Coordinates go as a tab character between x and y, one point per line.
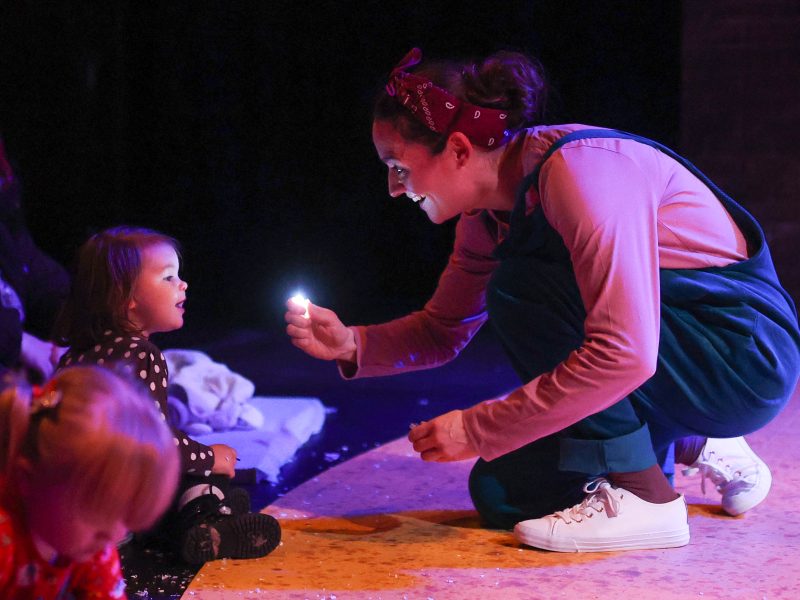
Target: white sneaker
608	519
738	473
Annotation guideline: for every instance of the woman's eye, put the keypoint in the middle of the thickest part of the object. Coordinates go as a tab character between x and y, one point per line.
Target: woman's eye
168	278
400	171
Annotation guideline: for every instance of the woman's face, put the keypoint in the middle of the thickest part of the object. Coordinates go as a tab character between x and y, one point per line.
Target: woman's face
436	182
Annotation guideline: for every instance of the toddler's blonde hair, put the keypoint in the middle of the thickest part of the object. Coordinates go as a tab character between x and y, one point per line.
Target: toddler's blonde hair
96	435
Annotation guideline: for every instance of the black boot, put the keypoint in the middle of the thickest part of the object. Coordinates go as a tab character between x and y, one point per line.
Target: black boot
238	500
209	533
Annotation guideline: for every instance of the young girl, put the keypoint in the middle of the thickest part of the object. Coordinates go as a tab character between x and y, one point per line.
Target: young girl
82	462
127	288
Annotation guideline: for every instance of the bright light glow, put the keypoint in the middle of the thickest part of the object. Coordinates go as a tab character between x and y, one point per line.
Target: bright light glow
300	299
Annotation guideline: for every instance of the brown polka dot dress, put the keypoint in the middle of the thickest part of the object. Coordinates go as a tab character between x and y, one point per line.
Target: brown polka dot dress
142	361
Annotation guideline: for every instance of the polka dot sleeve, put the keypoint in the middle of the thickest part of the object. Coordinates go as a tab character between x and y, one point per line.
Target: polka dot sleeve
145	363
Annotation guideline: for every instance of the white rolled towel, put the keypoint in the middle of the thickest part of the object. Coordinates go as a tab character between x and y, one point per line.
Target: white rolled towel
215	395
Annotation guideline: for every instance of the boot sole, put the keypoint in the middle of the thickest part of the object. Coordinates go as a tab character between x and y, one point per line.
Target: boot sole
243	536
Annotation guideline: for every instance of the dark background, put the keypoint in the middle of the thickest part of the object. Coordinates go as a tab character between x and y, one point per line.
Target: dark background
243	130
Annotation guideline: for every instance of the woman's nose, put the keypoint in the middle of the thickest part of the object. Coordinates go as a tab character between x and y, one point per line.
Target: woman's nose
183	286
396	188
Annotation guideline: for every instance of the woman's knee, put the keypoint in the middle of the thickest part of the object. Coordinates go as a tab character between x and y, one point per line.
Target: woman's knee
490	498
508	490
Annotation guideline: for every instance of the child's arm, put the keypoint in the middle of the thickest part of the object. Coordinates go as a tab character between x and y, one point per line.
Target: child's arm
196	458
150	367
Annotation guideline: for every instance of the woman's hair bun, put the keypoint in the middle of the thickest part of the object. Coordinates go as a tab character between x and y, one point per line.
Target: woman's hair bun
511	81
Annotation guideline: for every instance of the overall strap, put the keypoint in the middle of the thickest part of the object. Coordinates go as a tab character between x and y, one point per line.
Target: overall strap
743	218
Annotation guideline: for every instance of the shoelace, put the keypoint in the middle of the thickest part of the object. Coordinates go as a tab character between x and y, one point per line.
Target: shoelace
600	498
721	474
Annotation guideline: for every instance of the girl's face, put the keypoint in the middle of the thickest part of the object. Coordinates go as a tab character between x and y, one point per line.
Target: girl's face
159	293
65	527
438	183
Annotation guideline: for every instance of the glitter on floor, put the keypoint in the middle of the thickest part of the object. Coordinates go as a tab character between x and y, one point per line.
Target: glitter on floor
385	525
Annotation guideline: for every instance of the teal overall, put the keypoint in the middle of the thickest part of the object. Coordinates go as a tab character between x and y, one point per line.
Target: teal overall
728	358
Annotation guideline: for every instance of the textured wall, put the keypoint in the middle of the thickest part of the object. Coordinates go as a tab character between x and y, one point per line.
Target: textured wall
740	111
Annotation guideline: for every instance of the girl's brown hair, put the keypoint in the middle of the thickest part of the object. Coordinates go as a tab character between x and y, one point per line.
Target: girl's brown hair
96	434
106	270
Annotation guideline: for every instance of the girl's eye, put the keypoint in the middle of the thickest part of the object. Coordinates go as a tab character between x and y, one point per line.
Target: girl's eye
400	171
168	278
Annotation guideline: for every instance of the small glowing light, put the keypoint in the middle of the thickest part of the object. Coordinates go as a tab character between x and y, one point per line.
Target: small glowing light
300	299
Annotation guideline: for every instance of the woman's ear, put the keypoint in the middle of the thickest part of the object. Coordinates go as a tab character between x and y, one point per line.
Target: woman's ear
460	148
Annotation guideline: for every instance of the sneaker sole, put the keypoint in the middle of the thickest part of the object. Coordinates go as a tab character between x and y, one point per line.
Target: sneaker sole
734	506
648	541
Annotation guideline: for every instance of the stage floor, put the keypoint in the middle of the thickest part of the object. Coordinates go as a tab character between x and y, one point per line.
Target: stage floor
386	525
362	415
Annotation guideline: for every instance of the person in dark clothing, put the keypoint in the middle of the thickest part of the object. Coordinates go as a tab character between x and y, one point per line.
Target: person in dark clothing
32	287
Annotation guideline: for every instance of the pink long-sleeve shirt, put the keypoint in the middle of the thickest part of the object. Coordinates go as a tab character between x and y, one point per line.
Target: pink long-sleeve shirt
624	210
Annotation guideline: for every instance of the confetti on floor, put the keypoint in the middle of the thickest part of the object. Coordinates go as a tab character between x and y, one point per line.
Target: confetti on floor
385	525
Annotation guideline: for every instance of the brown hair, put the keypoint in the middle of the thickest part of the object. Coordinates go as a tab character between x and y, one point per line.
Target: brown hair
506	80
107	267
97	435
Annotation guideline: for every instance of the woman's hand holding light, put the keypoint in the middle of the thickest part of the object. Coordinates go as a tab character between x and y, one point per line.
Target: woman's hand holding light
442	439
321	334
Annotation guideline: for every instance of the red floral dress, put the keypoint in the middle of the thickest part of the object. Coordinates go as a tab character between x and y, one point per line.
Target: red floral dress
25	575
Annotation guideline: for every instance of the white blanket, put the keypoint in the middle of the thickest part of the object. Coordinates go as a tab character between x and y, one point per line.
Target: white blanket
217	398
220	408
288	424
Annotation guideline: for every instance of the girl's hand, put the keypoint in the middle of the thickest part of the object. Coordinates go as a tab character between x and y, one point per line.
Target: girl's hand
321	334
224	460
442	439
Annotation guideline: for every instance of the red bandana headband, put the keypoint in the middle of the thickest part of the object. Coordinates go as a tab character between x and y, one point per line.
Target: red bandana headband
440	111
